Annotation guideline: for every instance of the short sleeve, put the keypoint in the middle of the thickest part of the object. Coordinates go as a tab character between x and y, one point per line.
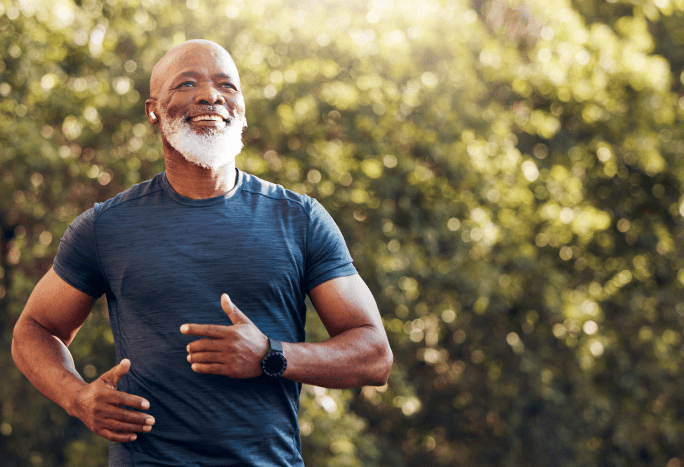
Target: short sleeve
327	255
76	261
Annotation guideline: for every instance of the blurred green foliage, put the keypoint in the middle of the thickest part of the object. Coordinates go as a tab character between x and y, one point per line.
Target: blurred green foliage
506	173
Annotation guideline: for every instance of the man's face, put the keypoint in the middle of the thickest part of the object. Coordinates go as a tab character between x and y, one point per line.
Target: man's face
200	106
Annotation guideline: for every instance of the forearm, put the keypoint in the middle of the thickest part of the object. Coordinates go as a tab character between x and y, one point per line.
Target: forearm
354	358
46	362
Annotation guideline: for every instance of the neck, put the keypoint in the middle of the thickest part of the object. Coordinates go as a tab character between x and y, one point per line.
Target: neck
196	182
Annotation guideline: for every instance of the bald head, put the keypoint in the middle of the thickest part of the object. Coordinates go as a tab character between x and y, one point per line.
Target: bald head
196	99
175	58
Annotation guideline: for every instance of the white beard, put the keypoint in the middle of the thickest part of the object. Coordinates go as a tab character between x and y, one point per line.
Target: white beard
212	149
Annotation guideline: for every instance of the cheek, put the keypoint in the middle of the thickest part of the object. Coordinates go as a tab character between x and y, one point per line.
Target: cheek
175	105
237	102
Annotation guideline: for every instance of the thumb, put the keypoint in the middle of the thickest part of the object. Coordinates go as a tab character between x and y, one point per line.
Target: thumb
233	312
112	377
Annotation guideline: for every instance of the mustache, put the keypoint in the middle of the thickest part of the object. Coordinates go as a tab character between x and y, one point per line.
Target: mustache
177	120
236	113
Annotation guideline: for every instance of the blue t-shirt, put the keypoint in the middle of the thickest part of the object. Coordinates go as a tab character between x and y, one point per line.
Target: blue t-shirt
163	260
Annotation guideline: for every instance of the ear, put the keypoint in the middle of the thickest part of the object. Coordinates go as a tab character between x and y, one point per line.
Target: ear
150	106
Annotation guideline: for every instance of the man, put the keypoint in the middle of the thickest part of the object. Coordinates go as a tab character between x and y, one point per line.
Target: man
205	269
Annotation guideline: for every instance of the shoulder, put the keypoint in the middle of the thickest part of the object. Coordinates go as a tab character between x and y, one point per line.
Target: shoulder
289	204
137	192
272	192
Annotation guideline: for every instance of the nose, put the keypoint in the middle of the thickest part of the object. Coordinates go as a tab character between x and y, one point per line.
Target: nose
208	95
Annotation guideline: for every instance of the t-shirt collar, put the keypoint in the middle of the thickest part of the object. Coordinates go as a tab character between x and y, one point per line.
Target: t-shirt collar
168	189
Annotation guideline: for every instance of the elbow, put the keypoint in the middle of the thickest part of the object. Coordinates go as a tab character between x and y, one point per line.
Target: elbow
384	361
14	351
16	344
17	354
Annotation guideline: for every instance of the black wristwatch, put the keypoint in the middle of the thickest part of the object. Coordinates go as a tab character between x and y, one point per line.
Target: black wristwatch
274	362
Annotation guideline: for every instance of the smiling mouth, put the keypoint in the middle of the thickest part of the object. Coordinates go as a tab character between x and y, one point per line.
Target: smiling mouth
207	118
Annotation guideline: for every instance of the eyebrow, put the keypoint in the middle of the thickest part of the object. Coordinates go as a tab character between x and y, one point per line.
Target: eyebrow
195	74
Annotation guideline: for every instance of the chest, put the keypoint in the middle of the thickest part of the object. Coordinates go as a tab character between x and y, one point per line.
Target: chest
156	262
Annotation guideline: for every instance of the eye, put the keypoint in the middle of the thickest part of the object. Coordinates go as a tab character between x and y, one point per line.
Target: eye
228	86
186	84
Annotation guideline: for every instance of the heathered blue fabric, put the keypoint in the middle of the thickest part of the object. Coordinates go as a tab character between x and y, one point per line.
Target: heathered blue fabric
163	260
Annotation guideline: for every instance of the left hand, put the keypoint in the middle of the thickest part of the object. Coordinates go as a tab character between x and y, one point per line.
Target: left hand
235	351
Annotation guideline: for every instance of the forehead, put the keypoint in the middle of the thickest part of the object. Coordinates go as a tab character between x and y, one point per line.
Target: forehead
201	59
198	59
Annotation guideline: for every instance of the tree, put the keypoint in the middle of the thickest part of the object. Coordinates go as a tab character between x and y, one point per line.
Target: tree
506	174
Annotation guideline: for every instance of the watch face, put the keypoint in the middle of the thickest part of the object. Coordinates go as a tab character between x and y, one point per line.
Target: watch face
274	364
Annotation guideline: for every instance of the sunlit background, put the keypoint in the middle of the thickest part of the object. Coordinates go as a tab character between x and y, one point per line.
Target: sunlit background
507	174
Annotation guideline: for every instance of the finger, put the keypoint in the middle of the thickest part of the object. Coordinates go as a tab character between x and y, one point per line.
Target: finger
117	437
119	398
204	357
124	427
114	374
131	417
233	312
203	345
211	368
215	331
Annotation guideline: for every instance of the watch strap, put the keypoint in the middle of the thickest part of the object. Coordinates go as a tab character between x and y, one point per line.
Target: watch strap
275	345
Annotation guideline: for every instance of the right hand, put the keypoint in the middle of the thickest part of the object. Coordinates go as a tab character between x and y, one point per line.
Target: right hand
102	408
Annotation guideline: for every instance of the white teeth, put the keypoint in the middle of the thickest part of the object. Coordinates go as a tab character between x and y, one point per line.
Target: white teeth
214	118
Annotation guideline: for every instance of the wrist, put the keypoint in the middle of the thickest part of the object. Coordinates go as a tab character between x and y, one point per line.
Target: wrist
274	362
73	403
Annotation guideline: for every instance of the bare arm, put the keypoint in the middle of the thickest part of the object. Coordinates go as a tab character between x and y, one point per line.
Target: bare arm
356	354
53	315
